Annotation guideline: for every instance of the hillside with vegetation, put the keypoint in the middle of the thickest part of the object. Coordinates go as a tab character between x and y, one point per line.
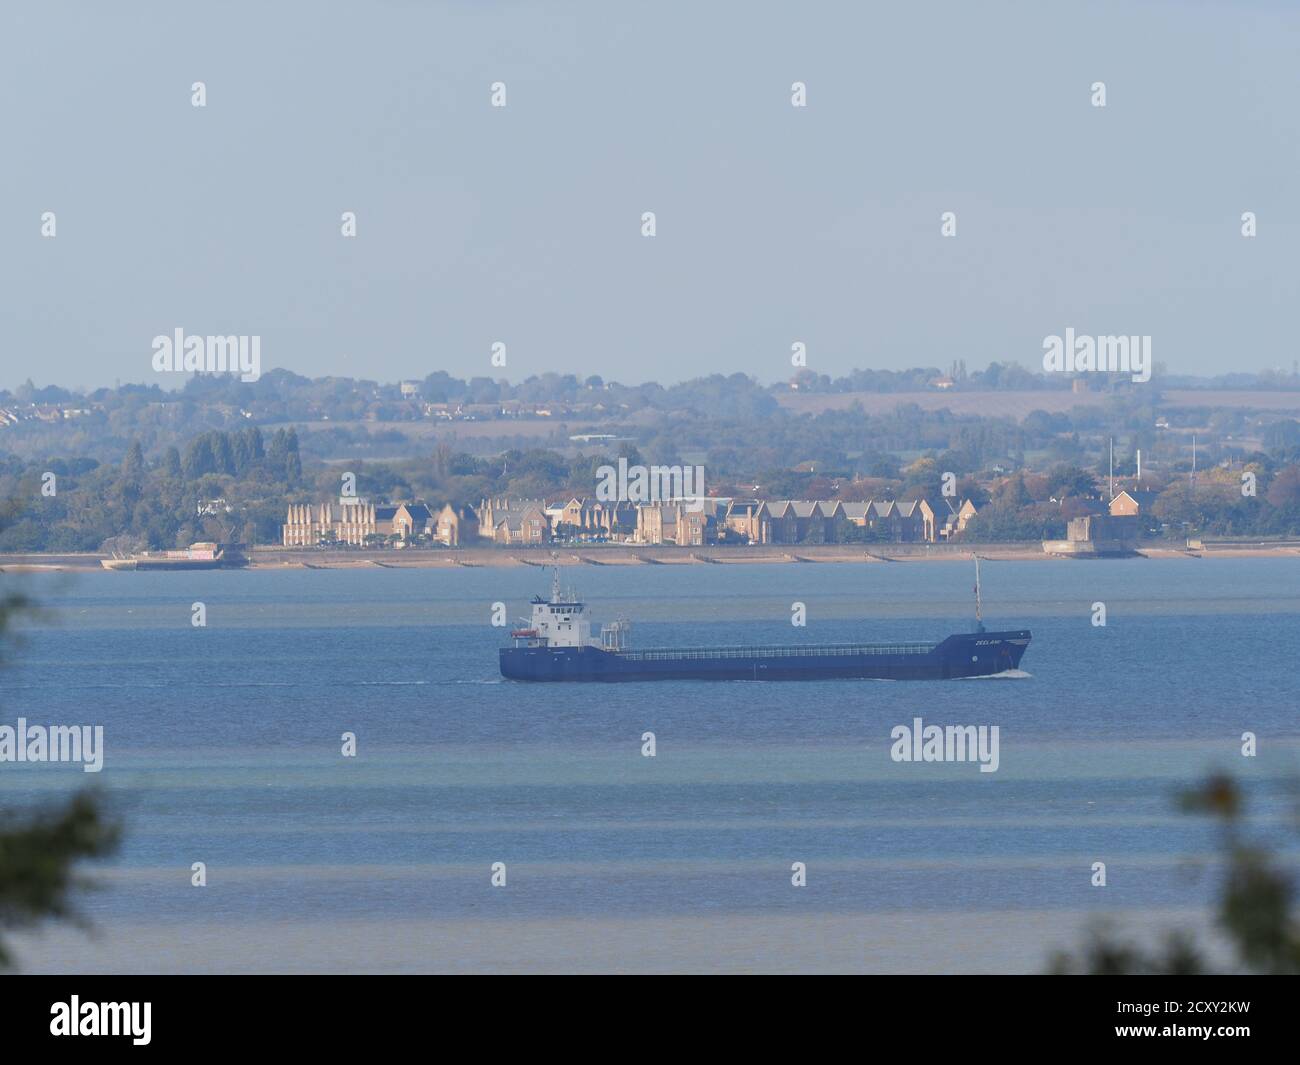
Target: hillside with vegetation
138	467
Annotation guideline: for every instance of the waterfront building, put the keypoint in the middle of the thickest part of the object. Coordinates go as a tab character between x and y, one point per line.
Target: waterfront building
456	526
350	523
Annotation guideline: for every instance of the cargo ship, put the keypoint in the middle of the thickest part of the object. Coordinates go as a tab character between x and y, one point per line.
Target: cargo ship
556	645
196	556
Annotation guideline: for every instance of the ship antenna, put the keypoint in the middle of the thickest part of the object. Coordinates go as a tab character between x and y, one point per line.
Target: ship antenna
979	613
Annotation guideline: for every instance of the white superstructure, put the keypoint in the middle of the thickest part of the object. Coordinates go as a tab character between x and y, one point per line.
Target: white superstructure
559	622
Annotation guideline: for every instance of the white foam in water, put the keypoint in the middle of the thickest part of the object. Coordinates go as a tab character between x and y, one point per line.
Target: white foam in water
1006	674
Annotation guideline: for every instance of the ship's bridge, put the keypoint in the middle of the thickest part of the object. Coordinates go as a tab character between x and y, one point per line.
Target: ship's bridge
558	621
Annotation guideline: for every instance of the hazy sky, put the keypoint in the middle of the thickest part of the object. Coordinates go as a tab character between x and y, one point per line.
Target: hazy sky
522	225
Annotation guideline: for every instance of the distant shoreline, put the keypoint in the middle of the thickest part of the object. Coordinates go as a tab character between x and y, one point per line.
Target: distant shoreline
277	558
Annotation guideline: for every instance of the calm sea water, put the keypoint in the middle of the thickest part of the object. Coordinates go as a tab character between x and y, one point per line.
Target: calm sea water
223	743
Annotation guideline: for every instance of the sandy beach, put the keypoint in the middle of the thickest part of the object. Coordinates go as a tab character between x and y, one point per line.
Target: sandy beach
635	555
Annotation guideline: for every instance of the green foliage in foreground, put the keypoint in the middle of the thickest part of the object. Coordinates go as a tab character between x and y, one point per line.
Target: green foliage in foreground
37	854
38	850
1254	909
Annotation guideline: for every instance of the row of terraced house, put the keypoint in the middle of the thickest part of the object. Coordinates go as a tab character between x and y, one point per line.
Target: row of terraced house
522	522
797	521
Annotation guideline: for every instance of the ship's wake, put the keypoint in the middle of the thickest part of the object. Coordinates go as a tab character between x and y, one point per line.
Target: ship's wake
1006	674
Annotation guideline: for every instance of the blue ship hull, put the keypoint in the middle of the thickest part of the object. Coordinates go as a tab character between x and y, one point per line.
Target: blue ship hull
976	654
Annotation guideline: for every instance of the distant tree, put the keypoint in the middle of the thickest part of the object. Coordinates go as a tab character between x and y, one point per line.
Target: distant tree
879	464
253	438
482	390
969	488
1281	434
1006	524
26	534
1012	492
224	454
441	387
1284	492
133	464
1067	480
240	452
1177	505
282	458
199	458
172	463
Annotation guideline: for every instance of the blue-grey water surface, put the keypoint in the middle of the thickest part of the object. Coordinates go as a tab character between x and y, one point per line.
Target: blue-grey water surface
222	743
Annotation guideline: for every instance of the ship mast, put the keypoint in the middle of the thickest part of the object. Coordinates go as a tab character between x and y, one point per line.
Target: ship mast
555	584
979	613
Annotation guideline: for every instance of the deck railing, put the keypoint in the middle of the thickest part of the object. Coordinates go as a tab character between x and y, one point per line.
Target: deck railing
780	652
